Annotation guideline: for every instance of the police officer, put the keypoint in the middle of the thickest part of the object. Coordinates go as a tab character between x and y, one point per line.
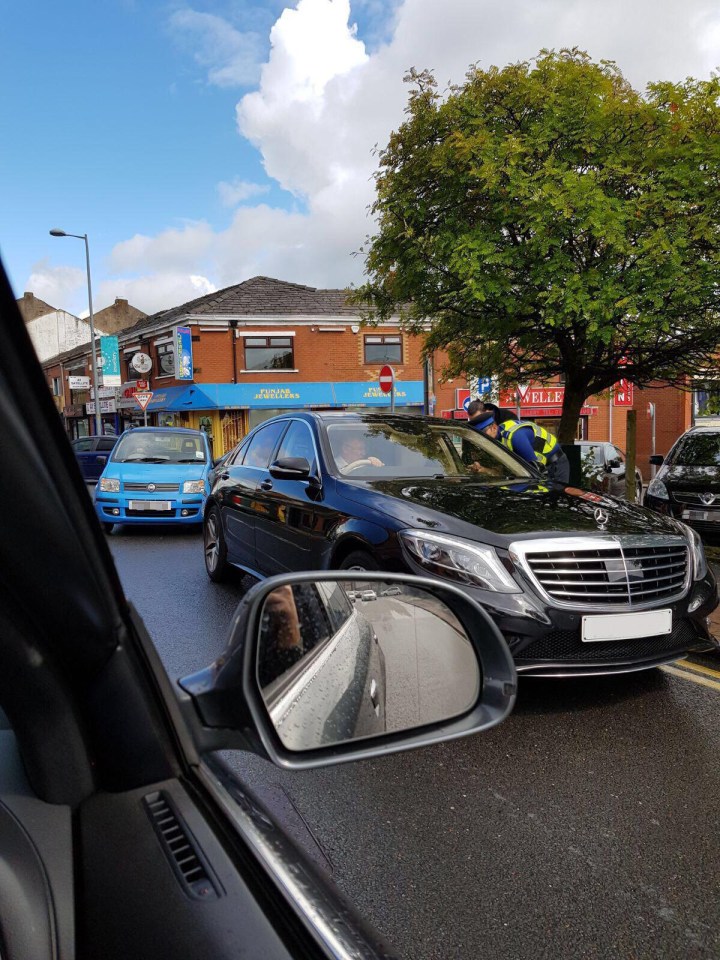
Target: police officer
529	441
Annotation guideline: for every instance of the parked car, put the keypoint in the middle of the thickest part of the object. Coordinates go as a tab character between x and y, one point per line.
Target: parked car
578	582
155	475
124	831
687	485
607	469
92	454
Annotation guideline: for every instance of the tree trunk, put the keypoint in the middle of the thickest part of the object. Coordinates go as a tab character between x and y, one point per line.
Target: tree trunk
575	397
631	435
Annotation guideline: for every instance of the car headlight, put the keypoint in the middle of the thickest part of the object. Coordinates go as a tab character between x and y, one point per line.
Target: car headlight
656	488
459	560
109	485
194	486
697	552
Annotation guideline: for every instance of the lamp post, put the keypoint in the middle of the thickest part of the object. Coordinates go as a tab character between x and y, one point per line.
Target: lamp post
94	364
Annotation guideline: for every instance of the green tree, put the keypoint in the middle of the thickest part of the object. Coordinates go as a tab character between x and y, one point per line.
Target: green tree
546	219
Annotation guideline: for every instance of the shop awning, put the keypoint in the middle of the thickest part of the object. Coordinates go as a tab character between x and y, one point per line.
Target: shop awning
239	396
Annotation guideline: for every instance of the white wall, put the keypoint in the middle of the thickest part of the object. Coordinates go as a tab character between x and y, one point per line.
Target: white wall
56	332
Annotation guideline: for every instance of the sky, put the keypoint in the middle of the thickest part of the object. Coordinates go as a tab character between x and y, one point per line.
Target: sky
201	144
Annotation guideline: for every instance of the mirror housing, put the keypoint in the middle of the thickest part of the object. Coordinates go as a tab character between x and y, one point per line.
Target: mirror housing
227	698
657	460
290	468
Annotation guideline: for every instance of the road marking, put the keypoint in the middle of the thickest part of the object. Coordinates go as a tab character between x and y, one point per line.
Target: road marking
687	665
693	677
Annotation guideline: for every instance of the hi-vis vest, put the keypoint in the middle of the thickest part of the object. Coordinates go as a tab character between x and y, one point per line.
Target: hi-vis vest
544	444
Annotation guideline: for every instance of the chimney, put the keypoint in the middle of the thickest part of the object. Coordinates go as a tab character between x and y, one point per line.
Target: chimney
119	302
28	296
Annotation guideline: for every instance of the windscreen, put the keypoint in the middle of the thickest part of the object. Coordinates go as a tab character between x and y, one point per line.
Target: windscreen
165	446
366	450
698	450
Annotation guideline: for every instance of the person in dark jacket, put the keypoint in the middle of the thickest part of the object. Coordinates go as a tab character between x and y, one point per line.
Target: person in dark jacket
527	440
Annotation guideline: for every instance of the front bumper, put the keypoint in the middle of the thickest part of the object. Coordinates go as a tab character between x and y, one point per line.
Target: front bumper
115	508
705	520
546	641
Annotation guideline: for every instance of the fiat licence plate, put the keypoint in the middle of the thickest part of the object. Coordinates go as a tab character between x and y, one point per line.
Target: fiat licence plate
626	626
159	505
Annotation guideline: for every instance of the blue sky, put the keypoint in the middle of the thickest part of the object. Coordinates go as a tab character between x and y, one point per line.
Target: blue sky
124	119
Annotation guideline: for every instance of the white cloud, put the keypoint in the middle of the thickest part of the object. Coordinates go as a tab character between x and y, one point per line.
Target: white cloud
154	292
57	285
231	57
235	192
323	102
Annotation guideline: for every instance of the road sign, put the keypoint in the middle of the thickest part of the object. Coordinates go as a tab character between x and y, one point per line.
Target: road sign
386	379
143	399
466	403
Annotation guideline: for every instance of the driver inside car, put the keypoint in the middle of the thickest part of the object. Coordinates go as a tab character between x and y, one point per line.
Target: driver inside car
353	449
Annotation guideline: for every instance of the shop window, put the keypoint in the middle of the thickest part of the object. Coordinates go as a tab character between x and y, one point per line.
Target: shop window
383	348
166	359
269	353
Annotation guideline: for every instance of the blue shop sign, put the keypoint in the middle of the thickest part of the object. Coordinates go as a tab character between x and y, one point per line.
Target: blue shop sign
183	354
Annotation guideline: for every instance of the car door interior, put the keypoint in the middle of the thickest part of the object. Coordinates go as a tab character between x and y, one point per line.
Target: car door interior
112	844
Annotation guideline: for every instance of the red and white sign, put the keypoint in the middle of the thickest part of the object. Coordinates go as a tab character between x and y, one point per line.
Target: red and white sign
624	394
533	396
386	379
461	395
143	399
142	385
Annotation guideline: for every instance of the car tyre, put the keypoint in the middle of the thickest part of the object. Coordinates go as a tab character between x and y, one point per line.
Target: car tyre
214	547
359	560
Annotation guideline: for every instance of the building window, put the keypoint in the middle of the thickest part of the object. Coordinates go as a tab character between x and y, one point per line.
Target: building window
383	349
56	387
269	353
166	359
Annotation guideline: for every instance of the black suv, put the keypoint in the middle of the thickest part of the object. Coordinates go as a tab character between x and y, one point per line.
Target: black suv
687	485
578	582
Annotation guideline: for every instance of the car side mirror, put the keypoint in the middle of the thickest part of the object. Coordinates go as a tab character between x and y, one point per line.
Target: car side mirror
290	468
612	465
309	678
656	460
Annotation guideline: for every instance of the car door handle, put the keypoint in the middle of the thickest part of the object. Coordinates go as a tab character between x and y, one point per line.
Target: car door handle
101	459
266	484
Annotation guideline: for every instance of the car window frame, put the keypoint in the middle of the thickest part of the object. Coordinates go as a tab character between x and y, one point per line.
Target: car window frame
256	433
313	473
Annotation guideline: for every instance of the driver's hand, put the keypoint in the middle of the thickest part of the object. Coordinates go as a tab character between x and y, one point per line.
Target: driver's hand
477	468
375	462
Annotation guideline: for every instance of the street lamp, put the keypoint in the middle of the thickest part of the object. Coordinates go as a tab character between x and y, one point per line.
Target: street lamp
94	364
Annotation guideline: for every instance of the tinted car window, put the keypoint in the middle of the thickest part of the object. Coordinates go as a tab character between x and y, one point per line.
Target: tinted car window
82	446
262	444
698	450
338	606
107	443
298	442
417	448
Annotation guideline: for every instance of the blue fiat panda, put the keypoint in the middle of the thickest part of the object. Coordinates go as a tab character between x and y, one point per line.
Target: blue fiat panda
155	475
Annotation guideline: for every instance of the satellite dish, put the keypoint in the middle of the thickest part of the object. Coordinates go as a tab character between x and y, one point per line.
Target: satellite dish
141	362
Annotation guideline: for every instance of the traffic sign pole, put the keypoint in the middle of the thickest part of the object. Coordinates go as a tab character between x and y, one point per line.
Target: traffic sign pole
387	384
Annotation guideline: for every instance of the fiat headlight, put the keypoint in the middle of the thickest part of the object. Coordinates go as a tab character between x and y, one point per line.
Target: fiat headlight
656	488
109	485
194	486
459	560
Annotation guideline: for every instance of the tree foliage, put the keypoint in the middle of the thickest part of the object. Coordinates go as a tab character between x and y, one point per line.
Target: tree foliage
546	219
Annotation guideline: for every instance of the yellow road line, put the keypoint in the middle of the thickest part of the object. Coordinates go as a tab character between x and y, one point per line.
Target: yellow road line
693	677
687	665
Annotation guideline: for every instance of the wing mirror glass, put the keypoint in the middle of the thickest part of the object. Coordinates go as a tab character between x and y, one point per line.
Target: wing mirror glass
332	671
323	668
656	460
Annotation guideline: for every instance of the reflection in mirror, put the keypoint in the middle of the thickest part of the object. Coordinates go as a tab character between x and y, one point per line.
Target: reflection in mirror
344	660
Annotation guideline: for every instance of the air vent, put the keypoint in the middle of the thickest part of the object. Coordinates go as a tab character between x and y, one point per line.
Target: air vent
181	849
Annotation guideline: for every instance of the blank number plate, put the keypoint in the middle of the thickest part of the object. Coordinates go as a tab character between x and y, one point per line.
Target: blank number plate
626	626
158	505
713	516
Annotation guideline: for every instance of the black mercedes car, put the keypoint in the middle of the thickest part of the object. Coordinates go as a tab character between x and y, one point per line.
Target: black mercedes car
578	582
687	485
